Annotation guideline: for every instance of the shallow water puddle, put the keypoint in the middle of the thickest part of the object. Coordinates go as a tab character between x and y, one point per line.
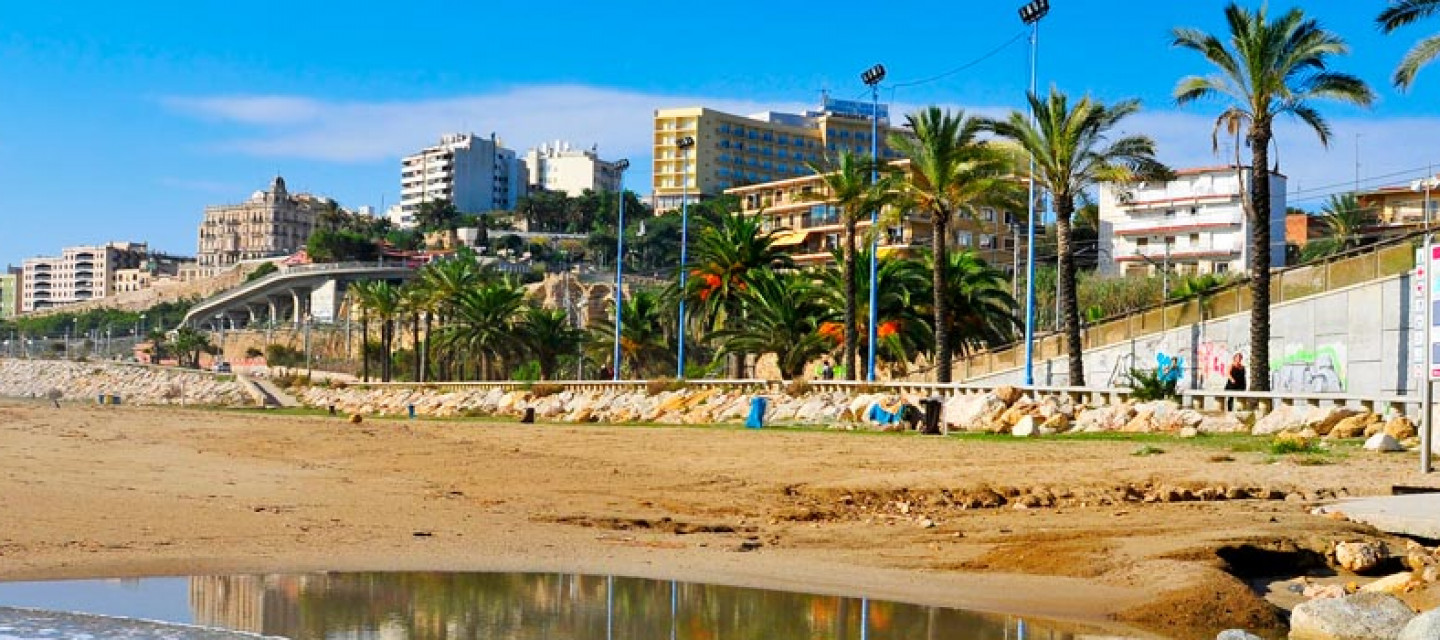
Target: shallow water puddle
449	606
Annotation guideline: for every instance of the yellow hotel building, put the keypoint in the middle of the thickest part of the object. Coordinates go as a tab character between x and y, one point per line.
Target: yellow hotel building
810	228
732	150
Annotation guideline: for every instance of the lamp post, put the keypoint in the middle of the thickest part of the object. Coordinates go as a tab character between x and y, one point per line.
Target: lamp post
683	144
1031	14
872	77
620	167
220	348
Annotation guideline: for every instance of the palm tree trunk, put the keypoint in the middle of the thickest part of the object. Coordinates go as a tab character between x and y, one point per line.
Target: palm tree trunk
365	348
942	310
1065	287
851	302
425	349
1260	257
415	344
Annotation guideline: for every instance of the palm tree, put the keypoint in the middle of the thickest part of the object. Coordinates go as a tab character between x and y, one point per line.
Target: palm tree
726	256
415	302
981	309
547	335
902	297
1073	152
644	339
483	323
359	295
851	187
445	280
1344	219
382	299
783	319
950	173
1267	69
1399	14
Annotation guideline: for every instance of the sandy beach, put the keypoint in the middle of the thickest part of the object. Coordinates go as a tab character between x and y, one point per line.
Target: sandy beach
90	491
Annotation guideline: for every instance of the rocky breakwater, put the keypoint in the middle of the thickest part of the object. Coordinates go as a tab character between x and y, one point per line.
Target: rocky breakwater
134	384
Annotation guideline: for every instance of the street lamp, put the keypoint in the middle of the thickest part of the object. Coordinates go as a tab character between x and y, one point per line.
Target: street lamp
683	144
1031	14
872	77
620	167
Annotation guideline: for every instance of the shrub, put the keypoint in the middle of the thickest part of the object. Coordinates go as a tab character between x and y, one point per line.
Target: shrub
528	372
545	389
799	387
1288	444
279	355
1146	386
658	386
253	352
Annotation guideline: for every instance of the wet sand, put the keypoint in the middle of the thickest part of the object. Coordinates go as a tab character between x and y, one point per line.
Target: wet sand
132	491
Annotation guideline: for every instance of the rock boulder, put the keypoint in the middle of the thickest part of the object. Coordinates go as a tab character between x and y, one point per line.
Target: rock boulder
1361	616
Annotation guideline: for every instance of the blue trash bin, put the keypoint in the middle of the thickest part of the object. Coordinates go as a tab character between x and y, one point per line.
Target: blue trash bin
757	413
411	408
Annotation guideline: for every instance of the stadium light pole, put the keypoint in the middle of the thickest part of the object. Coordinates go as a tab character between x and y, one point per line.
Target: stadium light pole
683	144
620	167
872	78
1031	14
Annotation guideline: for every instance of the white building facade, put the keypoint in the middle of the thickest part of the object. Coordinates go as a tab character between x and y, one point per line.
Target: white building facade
78	274
477	174
558	167
1194	224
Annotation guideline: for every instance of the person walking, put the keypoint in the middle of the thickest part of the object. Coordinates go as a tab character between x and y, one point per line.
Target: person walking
1235	379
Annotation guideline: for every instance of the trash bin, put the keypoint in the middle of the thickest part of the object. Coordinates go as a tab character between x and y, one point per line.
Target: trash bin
410	408
101	399
332	409
757	413
529	417
931	423
115	400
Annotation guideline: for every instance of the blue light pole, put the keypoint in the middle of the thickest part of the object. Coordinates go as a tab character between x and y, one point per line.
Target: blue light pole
872	78
620	167
1031	14
683	144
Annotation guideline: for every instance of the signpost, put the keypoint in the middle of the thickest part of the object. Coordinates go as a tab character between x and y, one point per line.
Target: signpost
1426	279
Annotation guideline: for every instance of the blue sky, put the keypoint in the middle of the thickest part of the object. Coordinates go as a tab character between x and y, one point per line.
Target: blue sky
121	121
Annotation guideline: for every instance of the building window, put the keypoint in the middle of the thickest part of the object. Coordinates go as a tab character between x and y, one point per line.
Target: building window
1222	267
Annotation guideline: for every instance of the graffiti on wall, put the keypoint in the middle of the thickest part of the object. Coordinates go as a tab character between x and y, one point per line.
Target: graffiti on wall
1305	370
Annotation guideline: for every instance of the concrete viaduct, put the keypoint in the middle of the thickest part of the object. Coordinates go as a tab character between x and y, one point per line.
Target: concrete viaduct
286	296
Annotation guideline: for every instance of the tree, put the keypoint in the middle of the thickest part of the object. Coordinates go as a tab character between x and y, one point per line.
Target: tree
380	299
1267	69
1402	13
1345	221
483	323
444	280
980	307
644	338
951	172
187	344
851	187
726	257
1073	152
437	215
902	297
343	245
548	335
783	318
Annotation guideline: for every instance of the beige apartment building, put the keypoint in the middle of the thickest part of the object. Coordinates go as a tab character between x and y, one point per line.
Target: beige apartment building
732	150
559	167
271	223
810	228
78	274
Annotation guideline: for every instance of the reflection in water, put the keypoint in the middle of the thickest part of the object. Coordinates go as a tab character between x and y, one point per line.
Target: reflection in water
445	606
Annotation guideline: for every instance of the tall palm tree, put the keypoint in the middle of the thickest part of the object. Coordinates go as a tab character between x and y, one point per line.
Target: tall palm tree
1399	14
1073	152
1268	68
784	319
415	302
483	323
360	297
1345	220
547	335
950	173
382	298
724	259
851	188
902	296
982	311
445	280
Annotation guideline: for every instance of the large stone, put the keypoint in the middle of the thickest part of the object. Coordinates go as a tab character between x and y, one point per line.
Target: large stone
1283	418
1393	584
1324	419
1025	428
1237	634
1008	395
971	412
1351	427
1222	423
1383	443
1362	616
1058	423
1360	557
1400	428
1425	626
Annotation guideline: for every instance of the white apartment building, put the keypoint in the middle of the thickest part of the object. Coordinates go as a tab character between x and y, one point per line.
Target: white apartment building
1194	224
475	173
558	167
78	274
